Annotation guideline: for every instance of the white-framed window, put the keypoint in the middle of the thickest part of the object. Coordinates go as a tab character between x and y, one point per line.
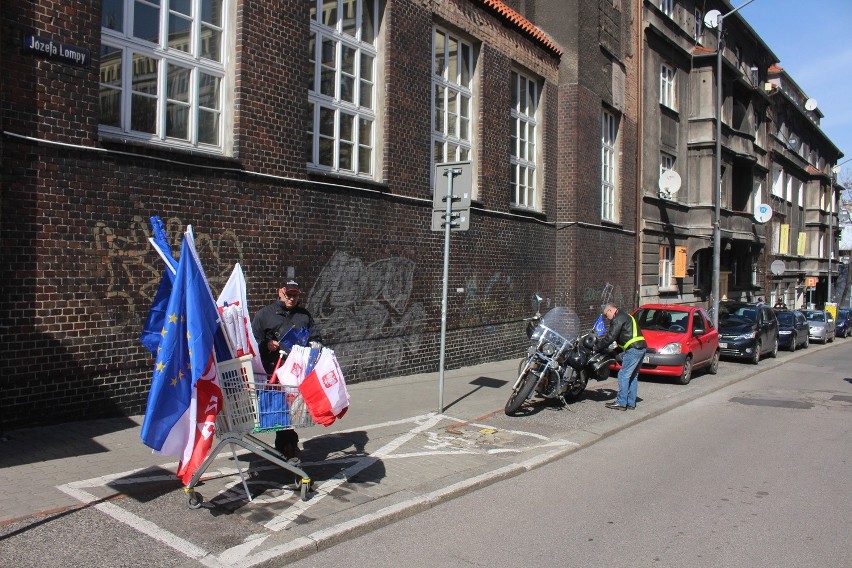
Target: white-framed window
666	267
342	90
667	7
698	32
525	98
800	190
667	85
452	97
162	71
609	166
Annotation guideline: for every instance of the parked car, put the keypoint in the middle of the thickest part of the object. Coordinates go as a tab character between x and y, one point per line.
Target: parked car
793	329
843	324
821	324
747	330
680	340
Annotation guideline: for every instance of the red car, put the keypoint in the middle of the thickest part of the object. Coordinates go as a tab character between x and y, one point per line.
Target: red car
680	339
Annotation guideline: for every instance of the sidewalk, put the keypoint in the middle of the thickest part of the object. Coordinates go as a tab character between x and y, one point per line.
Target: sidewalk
391	456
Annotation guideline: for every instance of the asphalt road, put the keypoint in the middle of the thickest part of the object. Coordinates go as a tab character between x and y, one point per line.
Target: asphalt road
756	474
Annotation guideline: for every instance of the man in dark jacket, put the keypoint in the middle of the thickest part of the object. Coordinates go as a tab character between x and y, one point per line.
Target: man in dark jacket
625	332
269	326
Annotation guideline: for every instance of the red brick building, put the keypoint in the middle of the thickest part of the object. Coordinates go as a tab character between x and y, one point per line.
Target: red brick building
299	139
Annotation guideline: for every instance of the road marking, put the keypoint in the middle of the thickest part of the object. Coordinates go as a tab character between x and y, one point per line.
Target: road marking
247	553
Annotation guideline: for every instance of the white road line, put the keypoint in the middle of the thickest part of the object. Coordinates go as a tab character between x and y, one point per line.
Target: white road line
145	527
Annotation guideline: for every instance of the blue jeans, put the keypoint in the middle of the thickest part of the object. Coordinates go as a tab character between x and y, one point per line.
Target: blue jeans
628	377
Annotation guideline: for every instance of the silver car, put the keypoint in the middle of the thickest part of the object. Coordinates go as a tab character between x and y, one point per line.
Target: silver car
822	325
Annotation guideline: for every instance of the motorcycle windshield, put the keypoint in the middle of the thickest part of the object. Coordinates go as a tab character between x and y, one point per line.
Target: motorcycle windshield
562	321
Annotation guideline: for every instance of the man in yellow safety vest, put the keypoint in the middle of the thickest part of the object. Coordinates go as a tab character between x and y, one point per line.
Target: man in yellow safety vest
624	331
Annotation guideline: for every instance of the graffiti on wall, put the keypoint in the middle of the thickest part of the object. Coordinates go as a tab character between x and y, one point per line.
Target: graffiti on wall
131	270
355	302
482	303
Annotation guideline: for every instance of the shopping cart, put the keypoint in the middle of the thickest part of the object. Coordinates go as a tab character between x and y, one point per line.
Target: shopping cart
251	407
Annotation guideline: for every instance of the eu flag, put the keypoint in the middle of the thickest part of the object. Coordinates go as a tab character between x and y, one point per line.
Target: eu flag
185	356
600	326
153	325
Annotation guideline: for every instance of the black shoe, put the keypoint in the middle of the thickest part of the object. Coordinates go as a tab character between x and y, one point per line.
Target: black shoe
615	406
631	408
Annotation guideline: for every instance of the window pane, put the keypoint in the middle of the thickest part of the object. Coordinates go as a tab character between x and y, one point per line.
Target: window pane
348	17
326	122
208	127
144	79
326	152
182	6
453	60
146	22
465	65
365	158
110	114
112	15
368	21
515	80
328	75
522	101
439	152
177	120
346	155
208	91
329	13
211	43
440	40
452	113
143	113
110	95
177	83
464	154
439	108
365	132
312	58
211	12
347	127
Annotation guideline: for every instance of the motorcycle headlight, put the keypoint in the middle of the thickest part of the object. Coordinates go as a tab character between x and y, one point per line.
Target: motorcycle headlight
670	349
749	335
548	349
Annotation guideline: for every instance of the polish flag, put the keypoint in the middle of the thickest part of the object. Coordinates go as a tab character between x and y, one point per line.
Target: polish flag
324	390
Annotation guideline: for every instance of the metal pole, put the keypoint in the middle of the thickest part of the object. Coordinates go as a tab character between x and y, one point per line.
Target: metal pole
448	220
830	231
717	190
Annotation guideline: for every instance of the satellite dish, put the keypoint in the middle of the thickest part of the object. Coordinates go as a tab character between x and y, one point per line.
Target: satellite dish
711	19
669	183
777	267
810	104
762	213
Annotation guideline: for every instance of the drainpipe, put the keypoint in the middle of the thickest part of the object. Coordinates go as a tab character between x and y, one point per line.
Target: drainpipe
639	147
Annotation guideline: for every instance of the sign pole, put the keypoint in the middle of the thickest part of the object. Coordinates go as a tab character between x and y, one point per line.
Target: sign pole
448	221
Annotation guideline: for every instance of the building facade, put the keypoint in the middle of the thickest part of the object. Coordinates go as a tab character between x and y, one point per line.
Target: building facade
299	139
680	107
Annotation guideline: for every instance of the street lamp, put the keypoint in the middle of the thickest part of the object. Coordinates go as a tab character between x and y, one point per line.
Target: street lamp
715	19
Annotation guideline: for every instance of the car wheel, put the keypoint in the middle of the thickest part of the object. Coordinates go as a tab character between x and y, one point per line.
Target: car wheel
827	340
807	342
714	364
793	344
774	352
755	359
686	374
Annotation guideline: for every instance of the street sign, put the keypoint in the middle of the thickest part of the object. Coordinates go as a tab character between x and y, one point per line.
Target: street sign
811	281
460	220
462	185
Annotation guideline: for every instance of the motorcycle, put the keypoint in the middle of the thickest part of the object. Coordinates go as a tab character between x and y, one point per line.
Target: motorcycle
560	360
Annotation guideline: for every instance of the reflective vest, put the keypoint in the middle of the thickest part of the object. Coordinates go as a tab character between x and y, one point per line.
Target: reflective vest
636	335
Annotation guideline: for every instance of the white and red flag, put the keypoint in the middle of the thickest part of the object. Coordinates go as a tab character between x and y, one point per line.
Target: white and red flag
324	390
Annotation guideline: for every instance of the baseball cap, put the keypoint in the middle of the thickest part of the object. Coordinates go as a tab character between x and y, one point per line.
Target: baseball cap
292	285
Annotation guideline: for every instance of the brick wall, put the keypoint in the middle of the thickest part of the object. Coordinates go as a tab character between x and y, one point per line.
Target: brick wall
79	274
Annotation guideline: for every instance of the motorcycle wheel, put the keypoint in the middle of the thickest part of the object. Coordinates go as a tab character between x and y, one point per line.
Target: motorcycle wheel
574	393
520	394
